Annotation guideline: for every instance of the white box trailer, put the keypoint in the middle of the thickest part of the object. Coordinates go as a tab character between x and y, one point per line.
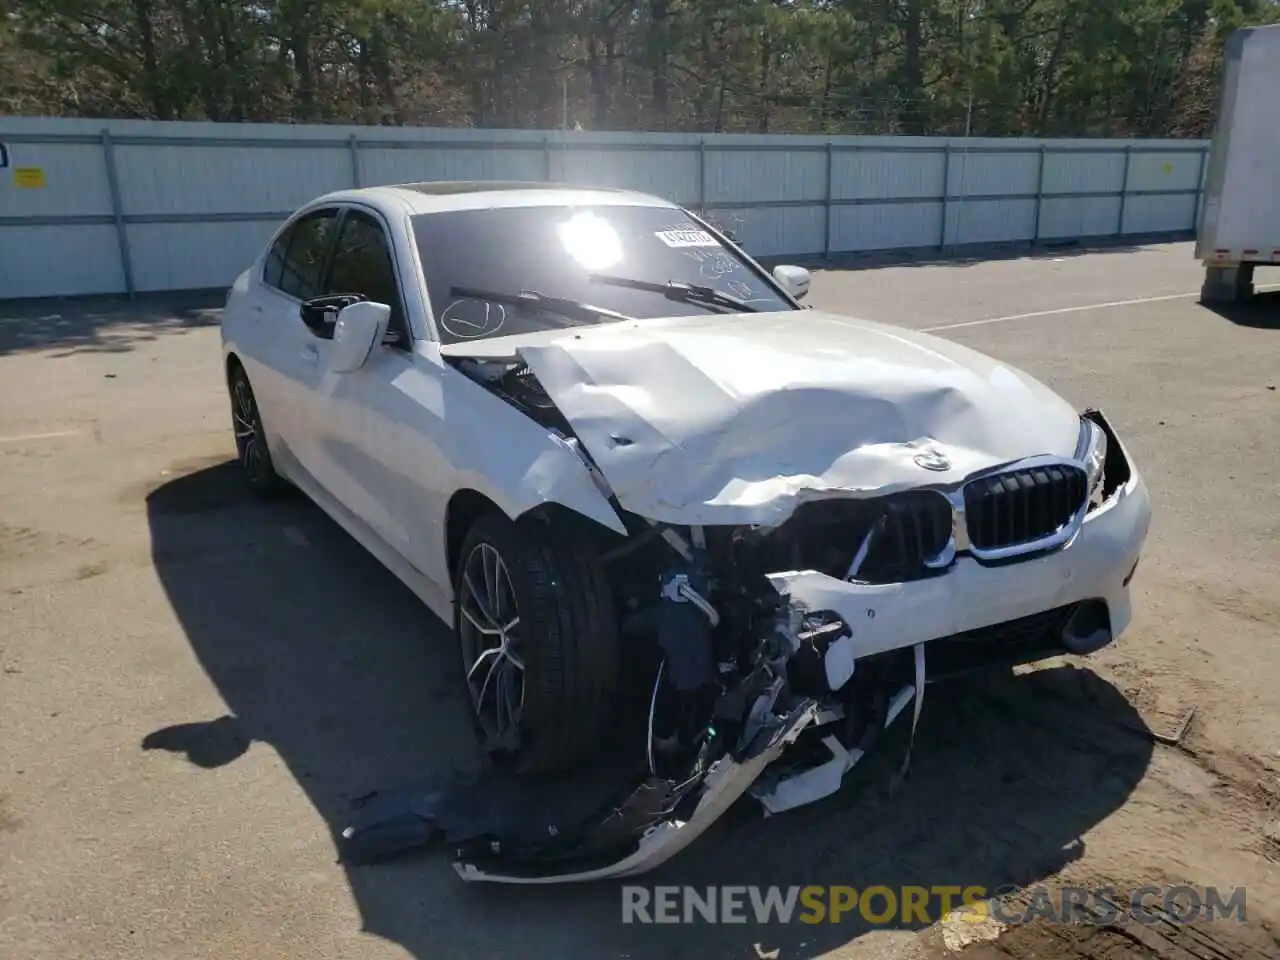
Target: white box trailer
1240	212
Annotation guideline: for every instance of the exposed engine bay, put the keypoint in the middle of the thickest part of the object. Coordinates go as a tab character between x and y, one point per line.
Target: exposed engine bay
749	685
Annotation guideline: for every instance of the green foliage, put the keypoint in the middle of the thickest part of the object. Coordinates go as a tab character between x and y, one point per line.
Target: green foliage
992	67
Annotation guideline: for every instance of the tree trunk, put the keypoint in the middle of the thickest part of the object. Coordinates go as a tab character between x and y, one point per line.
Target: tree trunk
658	52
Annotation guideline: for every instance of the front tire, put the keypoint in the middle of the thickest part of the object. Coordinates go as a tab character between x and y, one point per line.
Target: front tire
538	634
251	439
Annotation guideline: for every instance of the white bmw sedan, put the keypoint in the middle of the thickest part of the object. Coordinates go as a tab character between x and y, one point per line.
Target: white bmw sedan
619	457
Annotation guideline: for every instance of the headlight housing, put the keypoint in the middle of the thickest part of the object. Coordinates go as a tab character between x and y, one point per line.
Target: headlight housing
1091	450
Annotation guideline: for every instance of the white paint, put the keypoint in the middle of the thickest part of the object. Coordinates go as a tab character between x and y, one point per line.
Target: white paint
23	438
1083	308
739	418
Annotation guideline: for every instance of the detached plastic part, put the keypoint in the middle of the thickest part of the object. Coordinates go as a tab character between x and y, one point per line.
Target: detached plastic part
726	781
504	833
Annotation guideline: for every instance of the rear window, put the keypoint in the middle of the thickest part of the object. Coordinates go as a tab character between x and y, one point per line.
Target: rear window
553	250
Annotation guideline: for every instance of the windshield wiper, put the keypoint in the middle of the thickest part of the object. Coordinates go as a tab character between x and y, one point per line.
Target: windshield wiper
678	290
534	300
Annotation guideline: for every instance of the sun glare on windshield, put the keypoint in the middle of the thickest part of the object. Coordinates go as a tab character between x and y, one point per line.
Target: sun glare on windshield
591	240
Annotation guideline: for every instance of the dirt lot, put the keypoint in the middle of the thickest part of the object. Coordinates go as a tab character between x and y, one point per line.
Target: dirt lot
194	686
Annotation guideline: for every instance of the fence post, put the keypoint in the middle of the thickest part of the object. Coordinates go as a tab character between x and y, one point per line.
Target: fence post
946	191
826	204
354	146
1035	232
546	158
1124	187
1195	215
702	176
117	212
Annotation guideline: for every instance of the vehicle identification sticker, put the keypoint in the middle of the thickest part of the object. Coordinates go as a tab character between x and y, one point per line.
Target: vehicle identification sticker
29	178
687	238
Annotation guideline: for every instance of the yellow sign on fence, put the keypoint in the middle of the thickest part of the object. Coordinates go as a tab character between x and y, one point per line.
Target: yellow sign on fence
29	178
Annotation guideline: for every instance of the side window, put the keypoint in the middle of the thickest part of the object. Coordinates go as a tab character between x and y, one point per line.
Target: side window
275	258
362	263
304	259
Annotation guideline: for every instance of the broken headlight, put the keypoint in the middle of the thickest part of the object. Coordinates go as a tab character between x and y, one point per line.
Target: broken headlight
1091	450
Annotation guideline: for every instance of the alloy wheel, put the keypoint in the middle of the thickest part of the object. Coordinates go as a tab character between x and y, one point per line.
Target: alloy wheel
244	415
489	627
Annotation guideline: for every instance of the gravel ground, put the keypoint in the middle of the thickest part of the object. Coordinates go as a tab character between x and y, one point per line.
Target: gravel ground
194	686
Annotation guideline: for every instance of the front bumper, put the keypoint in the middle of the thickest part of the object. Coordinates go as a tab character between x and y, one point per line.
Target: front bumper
1095	565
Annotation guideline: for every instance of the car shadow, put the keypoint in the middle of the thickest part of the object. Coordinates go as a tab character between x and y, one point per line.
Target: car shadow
321	653
103	324
1261	311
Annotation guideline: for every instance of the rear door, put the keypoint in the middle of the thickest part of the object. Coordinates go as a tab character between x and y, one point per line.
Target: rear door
294	356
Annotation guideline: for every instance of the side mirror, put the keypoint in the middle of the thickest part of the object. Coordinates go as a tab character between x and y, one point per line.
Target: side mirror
794	280
321	313
359	327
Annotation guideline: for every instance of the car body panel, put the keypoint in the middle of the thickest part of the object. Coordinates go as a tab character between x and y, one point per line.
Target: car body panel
737	418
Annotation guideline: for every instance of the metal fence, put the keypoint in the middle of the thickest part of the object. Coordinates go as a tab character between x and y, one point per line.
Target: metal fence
92	207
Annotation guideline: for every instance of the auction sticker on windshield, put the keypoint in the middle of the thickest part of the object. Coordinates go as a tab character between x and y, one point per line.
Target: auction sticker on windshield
687	238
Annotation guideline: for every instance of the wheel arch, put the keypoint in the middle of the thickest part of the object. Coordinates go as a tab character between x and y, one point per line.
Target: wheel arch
231	364
466	505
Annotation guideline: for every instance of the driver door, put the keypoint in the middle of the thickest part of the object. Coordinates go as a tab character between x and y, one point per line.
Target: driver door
355	412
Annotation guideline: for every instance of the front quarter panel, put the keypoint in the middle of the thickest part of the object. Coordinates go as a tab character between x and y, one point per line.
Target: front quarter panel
445	433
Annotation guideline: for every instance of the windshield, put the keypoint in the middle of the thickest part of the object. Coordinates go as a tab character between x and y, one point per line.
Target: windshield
558	254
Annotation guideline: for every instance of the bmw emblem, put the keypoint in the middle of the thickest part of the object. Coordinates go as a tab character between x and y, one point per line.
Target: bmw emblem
932	460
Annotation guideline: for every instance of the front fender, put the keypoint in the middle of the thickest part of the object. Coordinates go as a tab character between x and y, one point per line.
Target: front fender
497	451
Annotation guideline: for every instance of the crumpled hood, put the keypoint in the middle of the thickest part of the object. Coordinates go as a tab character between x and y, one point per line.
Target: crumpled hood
737	418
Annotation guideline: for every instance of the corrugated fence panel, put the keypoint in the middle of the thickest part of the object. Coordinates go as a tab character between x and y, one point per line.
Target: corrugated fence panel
193	256
381	165
157	180
990	221
778	231
666	173
886	226
1079	172
865	174
752	176
42	261
75	181
1164	171
974	174
1062	217
1159	214
188	204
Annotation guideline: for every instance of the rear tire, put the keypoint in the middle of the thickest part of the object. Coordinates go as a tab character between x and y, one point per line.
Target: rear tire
551	651
251	439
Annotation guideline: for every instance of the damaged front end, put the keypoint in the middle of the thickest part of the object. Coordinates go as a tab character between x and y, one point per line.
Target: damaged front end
750	692
772	651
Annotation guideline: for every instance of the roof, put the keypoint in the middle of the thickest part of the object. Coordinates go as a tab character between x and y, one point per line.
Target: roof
441	195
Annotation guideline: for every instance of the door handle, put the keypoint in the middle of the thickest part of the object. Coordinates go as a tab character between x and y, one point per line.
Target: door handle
310	352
